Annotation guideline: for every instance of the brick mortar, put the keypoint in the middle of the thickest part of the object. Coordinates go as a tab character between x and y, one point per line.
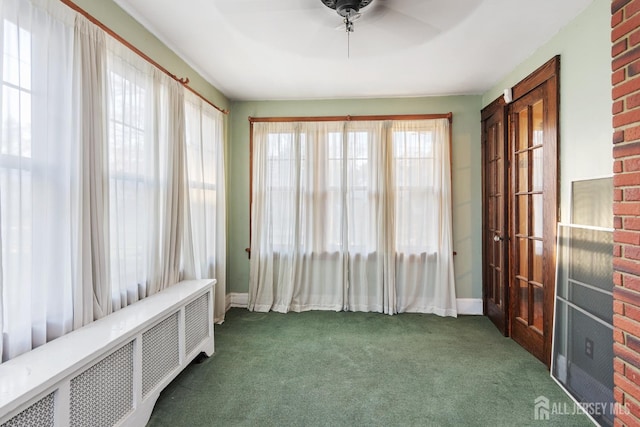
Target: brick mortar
625	93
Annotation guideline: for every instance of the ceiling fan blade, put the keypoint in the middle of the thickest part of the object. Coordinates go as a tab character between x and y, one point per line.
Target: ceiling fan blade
441	14
397	24
261	6
376	7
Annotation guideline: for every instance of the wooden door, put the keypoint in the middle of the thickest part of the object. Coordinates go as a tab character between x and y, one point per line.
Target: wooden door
533	152
494	219
519	215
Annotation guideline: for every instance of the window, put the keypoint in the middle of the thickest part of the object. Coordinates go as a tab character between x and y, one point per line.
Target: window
93	177
205	173
352	214
280	183
15	153
361	191
38	178
129	157
350	173
416	227
203	151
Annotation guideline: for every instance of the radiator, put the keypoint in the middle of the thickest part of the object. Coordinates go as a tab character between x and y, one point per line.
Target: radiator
110	372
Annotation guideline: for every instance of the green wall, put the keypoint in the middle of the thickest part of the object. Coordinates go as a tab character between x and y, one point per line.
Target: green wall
111	15
466	174
585	96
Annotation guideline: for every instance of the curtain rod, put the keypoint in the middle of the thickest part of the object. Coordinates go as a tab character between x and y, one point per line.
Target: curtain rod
184	81
448	116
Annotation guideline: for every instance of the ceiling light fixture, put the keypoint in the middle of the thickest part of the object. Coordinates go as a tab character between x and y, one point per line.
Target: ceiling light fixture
349	10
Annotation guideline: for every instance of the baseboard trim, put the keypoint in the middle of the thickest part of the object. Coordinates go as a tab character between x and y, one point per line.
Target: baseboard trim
465	306
237	299
469	306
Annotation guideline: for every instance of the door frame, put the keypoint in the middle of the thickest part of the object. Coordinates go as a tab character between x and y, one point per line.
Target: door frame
548	74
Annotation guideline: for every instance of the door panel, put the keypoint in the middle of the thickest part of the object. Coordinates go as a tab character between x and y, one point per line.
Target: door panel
495	270
520	161
533	124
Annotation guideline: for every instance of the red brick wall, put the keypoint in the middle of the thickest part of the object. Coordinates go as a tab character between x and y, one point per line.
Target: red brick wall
625	80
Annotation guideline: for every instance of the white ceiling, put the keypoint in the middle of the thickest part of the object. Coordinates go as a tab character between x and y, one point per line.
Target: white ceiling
297	49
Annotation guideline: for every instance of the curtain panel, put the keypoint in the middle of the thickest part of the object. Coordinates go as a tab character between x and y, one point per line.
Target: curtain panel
205	241
39	168
145	134
91	290
106	168
352	215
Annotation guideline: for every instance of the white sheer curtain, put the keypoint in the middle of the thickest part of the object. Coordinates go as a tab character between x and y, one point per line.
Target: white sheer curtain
38	174
145	133
422	208
369	191
204	252
297	260
352	216
131	156
93	177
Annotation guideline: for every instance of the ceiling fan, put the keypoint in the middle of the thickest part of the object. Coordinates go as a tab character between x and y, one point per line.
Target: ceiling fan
348	9
381	26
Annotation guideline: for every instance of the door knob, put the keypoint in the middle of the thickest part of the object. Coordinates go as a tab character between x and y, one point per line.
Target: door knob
497	238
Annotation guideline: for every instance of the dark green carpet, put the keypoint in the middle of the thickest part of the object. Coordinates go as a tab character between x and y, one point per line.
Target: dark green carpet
357	369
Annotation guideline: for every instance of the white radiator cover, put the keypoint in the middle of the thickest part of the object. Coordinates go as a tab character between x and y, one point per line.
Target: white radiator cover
110	372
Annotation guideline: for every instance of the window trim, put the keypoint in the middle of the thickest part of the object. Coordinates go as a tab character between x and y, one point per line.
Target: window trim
348	118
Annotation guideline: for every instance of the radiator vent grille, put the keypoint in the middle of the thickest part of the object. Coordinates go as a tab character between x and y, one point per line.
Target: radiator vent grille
114	378
196	324
38	414
103	394
160	352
